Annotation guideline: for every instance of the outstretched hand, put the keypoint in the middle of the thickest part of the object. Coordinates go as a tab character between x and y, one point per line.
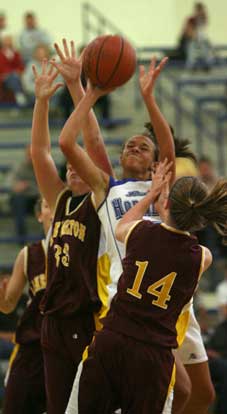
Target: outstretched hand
96	91
44	87
69	66
161	178
148	78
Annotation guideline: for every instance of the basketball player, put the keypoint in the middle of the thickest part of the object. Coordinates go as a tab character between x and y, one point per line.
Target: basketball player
194	398
25	385
136	160
130	362
71	296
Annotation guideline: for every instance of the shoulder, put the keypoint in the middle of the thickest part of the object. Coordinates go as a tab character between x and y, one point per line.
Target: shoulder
139	230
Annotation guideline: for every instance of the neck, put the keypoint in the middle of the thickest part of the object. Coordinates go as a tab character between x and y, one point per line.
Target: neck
137	175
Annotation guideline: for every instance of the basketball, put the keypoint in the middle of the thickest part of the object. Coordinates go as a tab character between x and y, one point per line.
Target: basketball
109	61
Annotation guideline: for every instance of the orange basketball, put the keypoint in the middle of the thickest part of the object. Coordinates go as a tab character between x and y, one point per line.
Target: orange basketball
109	61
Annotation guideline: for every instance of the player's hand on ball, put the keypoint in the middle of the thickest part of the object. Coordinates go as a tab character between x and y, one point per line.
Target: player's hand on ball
44	86
69	66
147	78
96	91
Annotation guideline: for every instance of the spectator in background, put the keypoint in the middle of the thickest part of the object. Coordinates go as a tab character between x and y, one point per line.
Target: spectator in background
217	352
24	194
194	47
11	69
221	296
186	38
2	23
41	51
209	236
201	17
32	36
207	171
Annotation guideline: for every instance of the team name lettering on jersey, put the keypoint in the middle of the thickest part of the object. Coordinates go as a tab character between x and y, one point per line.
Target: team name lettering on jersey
121	207
38	283
68	228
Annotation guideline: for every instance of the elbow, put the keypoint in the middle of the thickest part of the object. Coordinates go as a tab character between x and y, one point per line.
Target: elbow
64	145
7	309
118	232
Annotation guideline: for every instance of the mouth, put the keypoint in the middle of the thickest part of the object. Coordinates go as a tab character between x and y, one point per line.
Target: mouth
133	155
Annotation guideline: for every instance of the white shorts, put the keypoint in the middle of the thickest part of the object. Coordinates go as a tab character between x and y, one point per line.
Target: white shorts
192	350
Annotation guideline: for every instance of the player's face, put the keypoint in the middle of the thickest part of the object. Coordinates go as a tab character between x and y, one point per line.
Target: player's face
45	211
137	155
45	216
75	183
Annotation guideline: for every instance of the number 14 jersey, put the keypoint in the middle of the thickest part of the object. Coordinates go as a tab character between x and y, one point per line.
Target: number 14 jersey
160	273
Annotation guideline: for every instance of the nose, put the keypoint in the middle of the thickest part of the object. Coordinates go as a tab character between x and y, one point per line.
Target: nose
135	149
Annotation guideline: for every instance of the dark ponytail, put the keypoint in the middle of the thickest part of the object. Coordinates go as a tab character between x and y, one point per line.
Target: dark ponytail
182	146
192	207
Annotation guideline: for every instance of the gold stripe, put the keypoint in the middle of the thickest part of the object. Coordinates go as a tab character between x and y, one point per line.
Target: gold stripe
202	262
69	213
58	198
13	354
26	261
103	280
130	231
172	229
173	380
182	326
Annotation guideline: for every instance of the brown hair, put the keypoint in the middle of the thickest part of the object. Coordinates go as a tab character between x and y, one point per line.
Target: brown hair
38	206
182	146
192	206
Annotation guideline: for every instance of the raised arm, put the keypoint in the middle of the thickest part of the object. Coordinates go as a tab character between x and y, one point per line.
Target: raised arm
11	289
97	179
162	130
46	172
70	69
160	179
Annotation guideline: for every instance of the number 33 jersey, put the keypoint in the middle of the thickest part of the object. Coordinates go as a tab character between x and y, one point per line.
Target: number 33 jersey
72	257
160	273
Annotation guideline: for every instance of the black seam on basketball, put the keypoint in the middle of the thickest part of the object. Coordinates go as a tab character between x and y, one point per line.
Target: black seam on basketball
98	59
117	64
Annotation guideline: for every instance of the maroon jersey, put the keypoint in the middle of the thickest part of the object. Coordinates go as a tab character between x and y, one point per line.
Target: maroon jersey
160	273
72	257
28	329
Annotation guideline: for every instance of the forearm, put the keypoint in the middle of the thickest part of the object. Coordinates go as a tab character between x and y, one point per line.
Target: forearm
162	130
138	210
92	136
75	122
40	127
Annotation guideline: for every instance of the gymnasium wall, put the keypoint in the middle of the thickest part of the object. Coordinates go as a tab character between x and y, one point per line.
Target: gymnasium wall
146	22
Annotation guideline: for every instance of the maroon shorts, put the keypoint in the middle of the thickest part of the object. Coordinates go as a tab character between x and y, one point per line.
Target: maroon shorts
25	389
63	342
121	372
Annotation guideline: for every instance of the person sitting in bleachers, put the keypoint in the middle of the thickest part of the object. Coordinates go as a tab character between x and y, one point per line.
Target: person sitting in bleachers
11	69
217	352
41	51
32	36
2	23
24	194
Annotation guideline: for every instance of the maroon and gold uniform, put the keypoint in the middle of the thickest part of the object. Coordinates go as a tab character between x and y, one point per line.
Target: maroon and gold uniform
132	356
25	389
71	296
